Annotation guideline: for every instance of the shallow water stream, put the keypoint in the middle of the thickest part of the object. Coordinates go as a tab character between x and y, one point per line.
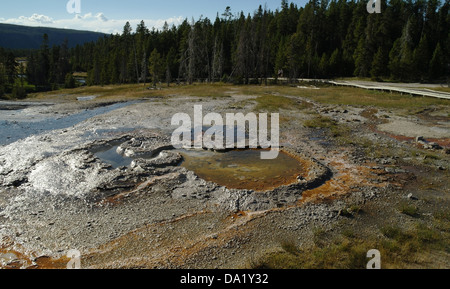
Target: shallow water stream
16	124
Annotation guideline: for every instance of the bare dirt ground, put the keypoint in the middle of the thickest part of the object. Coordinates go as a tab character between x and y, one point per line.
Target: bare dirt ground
366	168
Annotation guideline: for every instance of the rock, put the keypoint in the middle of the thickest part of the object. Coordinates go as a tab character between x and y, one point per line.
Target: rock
434	146
389	170
420	138
423	143
129	153
411	197
120	150
369	195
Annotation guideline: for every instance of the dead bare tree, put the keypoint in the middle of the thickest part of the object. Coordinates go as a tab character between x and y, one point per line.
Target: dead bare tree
217	66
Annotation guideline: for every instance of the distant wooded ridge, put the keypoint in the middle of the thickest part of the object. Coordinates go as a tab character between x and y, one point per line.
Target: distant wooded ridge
26	37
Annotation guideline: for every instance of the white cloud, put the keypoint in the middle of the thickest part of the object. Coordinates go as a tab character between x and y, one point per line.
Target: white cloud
91	22
101	17
40	19
33	20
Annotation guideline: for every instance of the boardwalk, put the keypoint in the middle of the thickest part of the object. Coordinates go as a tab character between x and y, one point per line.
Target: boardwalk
400	88
414	89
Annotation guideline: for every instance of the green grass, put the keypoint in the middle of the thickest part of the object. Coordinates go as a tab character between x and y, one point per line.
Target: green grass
399	248
442	220
362	97
273	103
343	254
320	122
289	246
319	237
271	98
351	211
431	156
339	131
121	92
421	238
410	210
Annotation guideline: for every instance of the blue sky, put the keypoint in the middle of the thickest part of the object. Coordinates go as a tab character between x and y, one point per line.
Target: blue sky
110	15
